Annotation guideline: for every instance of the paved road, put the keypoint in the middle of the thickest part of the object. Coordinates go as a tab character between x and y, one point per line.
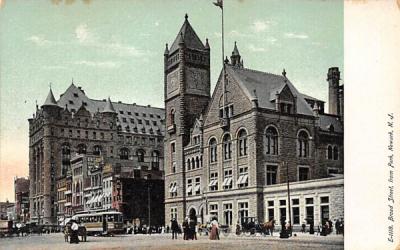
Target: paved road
150	242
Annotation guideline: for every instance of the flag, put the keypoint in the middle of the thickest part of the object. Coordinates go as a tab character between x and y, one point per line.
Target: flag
219	3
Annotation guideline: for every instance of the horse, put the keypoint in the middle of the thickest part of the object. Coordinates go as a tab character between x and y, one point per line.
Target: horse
269	226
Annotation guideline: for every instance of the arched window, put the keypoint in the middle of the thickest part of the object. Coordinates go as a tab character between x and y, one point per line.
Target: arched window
172	117
140	155
302	143
197	162
271	135
335	153
155	160
97	150
329	152
193	164
227	145
188	164
124	154
81	149
213	150
242	138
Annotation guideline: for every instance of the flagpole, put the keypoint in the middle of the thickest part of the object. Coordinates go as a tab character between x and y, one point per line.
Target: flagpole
223	66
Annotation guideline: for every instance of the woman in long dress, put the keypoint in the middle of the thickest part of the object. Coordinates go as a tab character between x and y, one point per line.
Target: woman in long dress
214	235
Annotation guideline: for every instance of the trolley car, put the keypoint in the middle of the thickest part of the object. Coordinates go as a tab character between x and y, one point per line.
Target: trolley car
102	223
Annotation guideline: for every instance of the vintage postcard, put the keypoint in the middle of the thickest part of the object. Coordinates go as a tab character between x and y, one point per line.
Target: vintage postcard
222	124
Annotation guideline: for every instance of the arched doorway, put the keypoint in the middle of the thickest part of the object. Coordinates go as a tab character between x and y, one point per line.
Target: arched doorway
192	214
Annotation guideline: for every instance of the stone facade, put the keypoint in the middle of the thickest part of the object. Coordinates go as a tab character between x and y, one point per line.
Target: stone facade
129	136
254	133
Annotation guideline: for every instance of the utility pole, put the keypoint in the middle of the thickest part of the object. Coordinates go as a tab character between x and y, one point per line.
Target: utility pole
288	192
148	205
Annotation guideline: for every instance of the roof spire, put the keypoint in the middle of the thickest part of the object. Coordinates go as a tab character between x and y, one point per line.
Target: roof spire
235	51
186	16
166	51
207	46
50	100
235	57
188	36
284	73
109	108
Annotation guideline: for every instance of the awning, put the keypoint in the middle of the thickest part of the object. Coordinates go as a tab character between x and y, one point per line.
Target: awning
213	183
197	188
243	179
227	181
189	189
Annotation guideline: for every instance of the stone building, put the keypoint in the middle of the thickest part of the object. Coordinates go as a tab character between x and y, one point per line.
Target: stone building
130	136
230	153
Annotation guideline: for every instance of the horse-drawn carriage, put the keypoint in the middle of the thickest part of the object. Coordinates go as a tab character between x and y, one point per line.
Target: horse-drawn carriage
250	226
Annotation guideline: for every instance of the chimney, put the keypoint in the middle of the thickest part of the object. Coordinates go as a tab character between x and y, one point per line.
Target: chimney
333	80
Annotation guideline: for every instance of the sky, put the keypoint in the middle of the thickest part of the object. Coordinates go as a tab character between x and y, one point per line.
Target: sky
115	48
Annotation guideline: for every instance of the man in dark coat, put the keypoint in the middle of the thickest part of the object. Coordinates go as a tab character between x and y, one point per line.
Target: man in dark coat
174	228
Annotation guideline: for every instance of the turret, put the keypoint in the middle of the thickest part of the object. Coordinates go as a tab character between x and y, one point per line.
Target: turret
235	57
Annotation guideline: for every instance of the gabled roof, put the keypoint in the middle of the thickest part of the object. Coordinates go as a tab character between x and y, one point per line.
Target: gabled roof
188	36
50	100
262	86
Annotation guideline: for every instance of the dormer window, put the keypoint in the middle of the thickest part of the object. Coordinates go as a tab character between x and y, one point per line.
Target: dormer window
76	95
226	112
121	112
70	102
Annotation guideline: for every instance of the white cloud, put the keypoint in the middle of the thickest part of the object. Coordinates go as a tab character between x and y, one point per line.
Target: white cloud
38	40
261	25
87	38
292	35
50	67
105	64
82	33
218	34
253	48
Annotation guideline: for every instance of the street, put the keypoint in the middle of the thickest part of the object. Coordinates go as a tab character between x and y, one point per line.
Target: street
156	241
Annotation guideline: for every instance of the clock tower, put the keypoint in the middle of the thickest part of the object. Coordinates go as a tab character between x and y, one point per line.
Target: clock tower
186	95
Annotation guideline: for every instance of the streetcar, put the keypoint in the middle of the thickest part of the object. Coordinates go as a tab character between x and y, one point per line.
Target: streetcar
102	223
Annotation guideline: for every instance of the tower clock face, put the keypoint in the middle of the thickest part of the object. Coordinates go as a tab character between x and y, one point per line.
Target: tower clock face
173	83
196	81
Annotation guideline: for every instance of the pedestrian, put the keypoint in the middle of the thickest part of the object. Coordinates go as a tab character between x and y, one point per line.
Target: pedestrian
192	228
185	226
303	227
174	228
237	228
74	233
214	235
337	226
66	232
167	229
